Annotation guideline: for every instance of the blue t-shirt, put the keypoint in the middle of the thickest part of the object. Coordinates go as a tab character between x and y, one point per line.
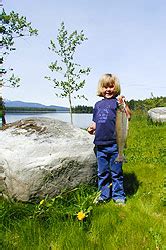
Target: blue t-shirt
104	115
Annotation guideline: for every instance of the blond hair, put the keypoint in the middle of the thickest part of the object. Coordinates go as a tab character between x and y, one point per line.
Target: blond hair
107	80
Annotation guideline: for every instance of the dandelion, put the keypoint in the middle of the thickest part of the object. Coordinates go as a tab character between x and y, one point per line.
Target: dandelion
42	201
81	215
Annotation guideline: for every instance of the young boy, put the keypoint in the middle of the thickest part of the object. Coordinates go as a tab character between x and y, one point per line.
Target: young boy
103	126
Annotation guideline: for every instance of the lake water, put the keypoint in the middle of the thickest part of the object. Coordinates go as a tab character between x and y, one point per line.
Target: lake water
79	120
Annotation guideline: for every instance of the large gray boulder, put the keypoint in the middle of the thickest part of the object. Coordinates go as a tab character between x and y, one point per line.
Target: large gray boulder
157	114
43	156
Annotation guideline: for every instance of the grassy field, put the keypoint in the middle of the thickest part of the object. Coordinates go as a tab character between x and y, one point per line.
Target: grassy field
53	224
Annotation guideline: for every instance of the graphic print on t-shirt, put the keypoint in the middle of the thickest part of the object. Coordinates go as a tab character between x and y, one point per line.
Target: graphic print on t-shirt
102	114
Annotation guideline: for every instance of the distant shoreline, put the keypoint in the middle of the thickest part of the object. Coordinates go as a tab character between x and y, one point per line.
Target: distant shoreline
35	111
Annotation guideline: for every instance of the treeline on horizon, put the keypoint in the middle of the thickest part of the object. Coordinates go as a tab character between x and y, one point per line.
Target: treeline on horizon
143	105
147	104
29	109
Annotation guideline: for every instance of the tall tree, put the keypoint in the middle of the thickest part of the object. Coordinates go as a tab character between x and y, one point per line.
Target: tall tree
71	72
12	26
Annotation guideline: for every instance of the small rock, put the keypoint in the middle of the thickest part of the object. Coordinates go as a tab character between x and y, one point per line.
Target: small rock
157	114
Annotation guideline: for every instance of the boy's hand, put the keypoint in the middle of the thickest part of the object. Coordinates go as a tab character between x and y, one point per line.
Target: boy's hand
91	129
122	101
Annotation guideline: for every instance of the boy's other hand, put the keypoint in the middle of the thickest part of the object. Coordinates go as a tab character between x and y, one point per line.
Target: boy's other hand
91	129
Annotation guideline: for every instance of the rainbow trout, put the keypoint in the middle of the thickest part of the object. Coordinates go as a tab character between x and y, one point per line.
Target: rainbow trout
121	131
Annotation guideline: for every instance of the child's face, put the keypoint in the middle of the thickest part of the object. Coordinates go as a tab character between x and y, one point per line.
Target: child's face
108	91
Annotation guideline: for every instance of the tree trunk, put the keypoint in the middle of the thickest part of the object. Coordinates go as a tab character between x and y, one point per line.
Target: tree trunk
71	115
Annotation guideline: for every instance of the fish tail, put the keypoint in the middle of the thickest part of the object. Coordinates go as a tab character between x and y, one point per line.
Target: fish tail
120	158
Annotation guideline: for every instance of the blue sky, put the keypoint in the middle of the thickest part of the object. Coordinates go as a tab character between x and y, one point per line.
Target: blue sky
126	38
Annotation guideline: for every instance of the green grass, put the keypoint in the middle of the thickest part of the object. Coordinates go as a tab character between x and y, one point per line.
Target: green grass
138	225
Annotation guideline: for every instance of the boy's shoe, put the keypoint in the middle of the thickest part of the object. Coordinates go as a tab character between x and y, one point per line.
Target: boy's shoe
120	202
99	200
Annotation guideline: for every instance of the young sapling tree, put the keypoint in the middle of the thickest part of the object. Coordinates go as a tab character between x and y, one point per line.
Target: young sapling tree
71	81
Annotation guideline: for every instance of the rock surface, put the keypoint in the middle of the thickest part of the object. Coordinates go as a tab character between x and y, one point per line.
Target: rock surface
158	114
40	156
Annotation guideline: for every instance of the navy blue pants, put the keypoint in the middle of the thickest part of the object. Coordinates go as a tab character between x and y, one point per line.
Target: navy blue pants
109	171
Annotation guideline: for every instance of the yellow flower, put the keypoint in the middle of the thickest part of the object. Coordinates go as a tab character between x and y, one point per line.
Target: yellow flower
81	215
42	201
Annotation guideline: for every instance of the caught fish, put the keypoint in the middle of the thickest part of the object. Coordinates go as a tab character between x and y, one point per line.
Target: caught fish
121	130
